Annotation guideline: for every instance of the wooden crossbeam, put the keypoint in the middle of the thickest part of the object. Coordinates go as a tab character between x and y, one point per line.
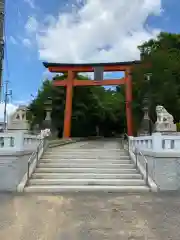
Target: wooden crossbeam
58	83
76	82
87	68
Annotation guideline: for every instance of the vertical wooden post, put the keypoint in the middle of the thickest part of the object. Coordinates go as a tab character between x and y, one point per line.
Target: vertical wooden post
68	106
129	118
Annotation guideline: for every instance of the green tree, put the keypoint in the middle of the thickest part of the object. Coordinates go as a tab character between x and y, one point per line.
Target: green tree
92	107
160	58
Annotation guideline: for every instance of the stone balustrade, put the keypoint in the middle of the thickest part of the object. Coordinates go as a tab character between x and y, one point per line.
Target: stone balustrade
30	140
16	149
18	141
157	142
162	154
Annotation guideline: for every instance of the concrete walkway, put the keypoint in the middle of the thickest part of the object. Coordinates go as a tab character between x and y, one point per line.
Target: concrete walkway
90	217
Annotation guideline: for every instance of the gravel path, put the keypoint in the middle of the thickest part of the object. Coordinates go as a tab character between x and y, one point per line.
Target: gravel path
84	217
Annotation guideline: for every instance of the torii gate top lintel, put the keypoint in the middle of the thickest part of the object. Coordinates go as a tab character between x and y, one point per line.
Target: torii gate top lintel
89	67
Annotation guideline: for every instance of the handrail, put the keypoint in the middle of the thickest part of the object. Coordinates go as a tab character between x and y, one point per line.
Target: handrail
34	155
126	135
144	158
146	163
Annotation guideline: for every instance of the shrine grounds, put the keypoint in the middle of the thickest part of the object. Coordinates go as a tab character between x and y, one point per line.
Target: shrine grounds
90	216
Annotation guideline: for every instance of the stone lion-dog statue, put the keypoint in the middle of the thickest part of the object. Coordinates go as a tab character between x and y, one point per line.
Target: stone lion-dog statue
163	116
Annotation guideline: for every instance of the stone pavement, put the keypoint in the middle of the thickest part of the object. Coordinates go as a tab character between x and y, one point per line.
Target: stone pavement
94	216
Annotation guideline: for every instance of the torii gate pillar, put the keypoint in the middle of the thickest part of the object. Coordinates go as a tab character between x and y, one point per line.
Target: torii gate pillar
68	106
129	118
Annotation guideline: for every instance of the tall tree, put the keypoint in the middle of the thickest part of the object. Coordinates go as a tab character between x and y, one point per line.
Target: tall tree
160	58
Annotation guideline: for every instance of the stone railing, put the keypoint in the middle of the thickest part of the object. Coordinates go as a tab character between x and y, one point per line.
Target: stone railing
156	142
30	141
17	141
162	154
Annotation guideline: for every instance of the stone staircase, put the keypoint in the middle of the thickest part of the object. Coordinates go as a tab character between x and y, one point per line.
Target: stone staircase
86	167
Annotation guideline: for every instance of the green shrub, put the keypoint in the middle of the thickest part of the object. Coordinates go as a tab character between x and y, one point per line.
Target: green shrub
178	126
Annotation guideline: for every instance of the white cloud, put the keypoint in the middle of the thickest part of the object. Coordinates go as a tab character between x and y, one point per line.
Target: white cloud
88	74
99	31
30	3
48	75
31	25
26	42
12	40
11	108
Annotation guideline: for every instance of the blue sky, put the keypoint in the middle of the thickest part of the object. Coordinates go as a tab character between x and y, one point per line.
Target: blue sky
38	30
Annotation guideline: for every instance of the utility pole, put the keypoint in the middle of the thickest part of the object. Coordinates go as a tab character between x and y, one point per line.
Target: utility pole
7	94
2	7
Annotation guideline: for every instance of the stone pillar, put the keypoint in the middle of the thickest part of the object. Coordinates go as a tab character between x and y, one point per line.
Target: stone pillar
157	142
19	141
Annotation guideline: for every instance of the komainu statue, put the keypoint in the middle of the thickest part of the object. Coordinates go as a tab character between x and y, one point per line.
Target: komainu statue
44	133
165	121
163	116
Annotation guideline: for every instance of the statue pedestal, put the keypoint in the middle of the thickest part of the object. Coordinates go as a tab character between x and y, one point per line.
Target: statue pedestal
166	128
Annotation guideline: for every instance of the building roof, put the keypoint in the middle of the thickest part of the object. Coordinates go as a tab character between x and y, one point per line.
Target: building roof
47	64
22	107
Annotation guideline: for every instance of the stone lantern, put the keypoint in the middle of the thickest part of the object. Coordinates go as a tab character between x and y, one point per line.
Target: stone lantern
48	108
146	124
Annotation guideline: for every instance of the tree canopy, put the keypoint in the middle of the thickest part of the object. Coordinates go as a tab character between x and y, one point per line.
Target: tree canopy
105	108
162	55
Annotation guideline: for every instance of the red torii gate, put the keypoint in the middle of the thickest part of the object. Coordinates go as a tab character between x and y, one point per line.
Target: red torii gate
98	68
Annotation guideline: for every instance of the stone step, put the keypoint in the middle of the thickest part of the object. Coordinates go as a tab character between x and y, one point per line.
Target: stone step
85	170
60	189
84	161
84	157
82	182
85	150
86	153
85	176
86	165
